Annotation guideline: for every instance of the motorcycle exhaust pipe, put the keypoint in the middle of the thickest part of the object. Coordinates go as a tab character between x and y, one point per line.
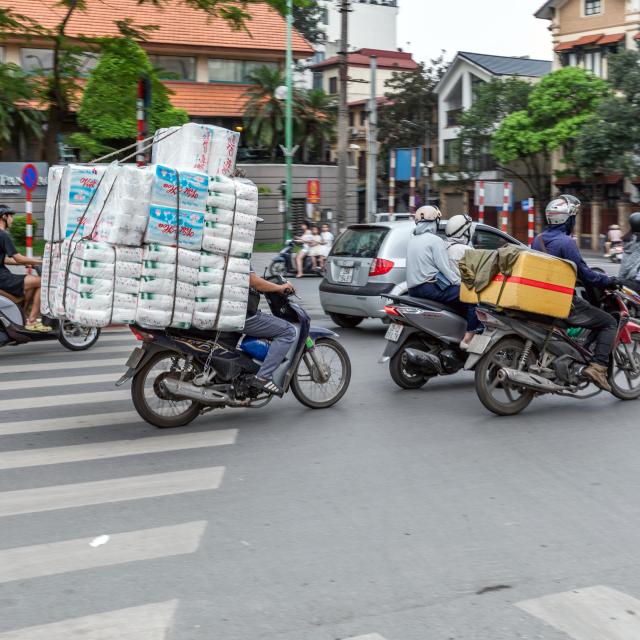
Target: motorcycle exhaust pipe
529	380
186	390
426	362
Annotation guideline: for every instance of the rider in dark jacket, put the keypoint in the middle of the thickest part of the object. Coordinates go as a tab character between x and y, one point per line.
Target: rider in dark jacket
556	240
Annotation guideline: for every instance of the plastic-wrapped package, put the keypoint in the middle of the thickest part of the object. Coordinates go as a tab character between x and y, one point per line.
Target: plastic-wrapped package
193	188
162	227
219	200
50	269
197	147
69	193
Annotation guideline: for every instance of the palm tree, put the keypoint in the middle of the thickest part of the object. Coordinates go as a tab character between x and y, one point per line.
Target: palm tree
18	120
317	118
264	113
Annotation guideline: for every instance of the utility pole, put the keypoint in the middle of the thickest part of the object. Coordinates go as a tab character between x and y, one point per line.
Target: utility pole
288	141
372	157
343	115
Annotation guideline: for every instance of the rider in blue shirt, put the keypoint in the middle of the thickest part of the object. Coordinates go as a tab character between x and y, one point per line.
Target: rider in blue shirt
556	240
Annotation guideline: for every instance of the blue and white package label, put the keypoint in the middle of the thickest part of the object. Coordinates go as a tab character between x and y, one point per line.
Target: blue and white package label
83	182
162	227
193	188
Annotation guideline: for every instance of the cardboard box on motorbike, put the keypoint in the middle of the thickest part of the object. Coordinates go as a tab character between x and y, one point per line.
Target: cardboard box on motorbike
538	283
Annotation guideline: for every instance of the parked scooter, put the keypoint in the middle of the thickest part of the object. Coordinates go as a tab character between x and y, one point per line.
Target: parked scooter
284	264
178	375
422	341
520	356
13	331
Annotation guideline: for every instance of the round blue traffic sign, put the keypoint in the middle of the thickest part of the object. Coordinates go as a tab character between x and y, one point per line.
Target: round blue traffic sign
29	177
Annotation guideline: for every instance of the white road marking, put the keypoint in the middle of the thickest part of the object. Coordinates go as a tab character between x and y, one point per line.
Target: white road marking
113	336
88	355
25	563
70	422
148	622
63	365
594	613
66	496
369	636
55	381
37	402
115	449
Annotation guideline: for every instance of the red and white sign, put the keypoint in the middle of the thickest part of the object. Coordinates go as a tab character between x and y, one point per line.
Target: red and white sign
29	183
313	191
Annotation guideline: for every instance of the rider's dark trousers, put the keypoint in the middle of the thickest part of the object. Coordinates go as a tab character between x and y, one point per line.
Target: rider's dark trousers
449	296
603	324
281	333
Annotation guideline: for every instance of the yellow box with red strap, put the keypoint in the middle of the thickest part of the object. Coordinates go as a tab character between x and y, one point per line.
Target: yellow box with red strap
538	283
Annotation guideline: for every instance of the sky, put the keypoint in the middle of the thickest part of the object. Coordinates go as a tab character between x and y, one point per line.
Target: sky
500	27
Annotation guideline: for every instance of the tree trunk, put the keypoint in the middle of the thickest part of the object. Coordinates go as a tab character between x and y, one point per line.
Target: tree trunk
49	148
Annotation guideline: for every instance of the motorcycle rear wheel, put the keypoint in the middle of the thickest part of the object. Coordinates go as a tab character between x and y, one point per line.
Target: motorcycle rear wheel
625	384
493	393
146	394
400	371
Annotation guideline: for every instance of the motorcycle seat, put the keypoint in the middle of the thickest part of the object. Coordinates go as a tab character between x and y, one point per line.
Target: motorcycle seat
429	305
11	297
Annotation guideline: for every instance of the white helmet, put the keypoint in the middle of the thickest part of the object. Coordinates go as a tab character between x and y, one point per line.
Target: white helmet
614	227
560	209
427	214
459	226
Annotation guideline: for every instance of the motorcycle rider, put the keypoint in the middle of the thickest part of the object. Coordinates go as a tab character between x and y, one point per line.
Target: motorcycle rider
630	265
556	240
614	237
458	232
21	286
429	272
263	325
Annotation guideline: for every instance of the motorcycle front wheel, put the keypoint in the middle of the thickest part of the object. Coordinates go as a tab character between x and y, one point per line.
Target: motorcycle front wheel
77	338
151	401
502	398
322	378
624	373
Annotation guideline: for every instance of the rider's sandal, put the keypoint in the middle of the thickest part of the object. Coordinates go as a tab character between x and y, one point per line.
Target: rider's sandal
37	326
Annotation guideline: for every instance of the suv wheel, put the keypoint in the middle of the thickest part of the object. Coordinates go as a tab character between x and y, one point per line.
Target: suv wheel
348	322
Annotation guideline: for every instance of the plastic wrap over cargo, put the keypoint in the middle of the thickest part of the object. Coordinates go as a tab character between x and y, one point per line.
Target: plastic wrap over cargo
70	190
193	188
167	287
197	147
50	269
119	212
161	228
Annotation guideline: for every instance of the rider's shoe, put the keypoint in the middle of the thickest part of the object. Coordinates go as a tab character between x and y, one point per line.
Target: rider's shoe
264	385
37	326
597	373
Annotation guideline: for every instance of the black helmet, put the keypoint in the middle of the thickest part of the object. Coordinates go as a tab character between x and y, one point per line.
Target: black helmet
6	211
634	222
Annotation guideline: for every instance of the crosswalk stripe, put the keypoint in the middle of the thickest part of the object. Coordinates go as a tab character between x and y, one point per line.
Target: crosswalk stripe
71	422
37	561
37	402
368	636
66	496
91	352
148	622
112	337
115	449
53	381
63	365
594	613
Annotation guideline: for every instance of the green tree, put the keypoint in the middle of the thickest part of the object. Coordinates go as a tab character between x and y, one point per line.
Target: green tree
317	118
60	88
307	20
108	108
18	122
609	141
408	116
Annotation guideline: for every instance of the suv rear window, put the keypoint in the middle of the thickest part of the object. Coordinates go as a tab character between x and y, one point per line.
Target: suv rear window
360	242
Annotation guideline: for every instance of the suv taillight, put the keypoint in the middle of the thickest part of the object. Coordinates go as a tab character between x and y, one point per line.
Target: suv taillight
379	267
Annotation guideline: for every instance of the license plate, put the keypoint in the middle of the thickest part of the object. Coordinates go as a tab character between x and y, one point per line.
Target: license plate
135	357
345	276
394	332
479	344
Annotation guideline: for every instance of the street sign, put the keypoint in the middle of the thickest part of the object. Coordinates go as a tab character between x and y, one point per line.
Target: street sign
313	191
29	178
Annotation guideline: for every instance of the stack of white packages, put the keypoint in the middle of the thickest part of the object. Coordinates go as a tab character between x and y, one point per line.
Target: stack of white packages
70	190
50	275
167	287
102	284
197	147
119	213
164	214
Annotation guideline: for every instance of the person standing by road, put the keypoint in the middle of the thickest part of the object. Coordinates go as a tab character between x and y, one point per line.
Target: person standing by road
20	286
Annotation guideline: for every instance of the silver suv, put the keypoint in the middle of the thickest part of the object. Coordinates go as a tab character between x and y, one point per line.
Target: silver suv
368	261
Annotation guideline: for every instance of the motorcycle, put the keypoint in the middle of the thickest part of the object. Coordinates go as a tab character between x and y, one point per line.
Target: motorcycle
284	264
13	330
178	375
616	251
520	356
422	341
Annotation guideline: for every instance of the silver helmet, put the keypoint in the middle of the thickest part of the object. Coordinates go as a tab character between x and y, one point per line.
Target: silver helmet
560	209
459	227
